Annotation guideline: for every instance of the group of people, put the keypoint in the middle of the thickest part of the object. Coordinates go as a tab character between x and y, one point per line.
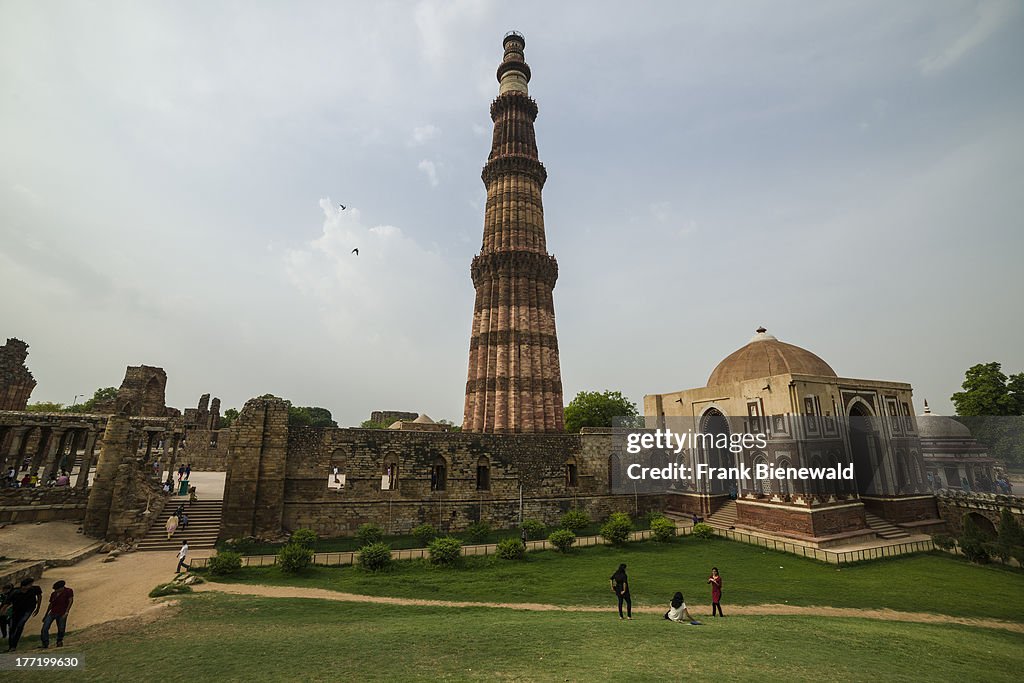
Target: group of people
31	479
184	472
18	605
677	610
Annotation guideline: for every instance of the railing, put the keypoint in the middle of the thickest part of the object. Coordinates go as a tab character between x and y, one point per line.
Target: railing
350	557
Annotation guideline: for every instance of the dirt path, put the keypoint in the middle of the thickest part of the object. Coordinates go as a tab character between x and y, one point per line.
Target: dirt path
753	610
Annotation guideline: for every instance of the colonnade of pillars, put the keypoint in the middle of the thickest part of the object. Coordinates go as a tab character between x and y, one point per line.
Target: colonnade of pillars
46	451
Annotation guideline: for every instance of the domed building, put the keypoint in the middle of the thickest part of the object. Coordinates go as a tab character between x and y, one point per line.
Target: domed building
810	417
953	459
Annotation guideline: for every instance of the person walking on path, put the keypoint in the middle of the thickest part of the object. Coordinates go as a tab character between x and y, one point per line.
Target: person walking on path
25	603
716	592
61	600
620	586
181	472
182	554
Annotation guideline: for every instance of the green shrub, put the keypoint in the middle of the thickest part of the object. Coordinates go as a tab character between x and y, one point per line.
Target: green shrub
224	563
574	520
511	549
616	529
375	557
664	529
944	541
1010	541
445	551
304	537
169	589
424	534
652	515
533	529
562	539
478	533
294	558
973	543
702	530
368	534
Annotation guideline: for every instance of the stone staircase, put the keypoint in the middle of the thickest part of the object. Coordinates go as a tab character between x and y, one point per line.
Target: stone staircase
724	517
884	529
203	526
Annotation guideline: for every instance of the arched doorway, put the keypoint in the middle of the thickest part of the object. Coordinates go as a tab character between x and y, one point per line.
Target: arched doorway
714	424
864	448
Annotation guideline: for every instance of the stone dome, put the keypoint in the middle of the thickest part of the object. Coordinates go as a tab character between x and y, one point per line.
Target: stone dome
765	356
933	426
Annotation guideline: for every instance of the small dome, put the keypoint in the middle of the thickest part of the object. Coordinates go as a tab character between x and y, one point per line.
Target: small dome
423	419
933	426
765	356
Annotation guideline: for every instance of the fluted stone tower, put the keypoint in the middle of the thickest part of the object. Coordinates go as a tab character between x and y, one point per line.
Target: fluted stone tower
515	383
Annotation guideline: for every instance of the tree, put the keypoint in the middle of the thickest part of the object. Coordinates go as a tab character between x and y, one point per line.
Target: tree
44	407
991	405
452	427
310	416
227	418
100	396
370	424
985	392
593	409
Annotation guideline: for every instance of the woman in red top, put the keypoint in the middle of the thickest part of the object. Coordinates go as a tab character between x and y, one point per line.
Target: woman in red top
716	592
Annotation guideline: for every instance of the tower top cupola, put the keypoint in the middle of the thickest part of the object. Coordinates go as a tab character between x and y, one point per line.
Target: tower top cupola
513	72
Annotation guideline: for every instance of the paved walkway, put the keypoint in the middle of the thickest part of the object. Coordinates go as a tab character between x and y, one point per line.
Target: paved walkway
48	541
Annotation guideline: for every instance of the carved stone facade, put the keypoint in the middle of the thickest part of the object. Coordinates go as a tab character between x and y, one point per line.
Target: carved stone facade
16	382
515	381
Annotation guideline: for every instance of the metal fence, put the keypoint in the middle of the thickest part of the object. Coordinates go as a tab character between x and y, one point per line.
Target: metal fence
340	559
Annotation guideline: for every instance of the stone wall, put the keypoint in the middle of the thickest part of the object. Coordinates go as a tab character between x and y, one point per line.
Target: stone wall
205	450
953	505
42	504
142	392
903	510
278	477
802	521
15	572
16	382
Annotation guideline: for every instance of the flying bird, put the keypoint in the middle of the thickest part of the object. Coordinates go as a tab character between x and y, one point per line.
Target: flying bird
356	251
342	206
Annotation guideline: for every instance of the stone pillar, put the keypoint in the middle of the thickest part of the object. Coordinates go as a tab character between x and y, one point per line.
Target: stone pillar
53	445
12	457
117	442
87	457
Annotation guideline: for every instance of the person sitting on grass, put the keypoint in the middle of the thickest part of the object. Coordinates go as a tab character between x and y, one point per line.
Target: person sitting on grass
678	613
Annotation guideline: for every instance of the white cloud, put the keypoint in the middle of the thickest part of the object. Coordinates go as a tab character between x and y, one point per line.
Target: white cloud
991	15
430	170
424	134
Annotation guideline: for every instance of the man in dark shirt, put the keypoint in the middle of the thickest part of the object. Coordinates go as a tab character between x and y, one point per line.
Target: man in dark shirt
26	602
61	600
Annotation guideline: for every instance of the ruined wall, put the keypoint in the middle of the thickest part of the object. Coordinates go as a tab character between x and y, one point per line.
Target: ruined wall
16	382
205	450
42	504
142	392
254	486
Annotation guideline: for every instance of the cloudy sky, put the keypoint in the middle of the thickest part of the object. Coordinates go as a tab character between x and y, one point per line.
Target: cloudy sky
848	174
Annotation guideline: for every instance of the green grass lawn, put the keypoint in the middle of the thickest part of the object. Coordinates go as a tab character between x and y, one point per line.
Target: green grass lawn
935	582
231	638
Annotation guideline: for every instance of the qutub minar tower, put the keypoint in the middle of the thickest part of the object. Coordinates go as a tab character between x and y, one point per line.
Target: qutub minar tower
515	383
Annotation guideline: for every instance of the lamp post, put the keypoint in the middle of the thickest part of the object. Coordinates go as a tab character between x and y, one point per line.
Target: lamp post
74	401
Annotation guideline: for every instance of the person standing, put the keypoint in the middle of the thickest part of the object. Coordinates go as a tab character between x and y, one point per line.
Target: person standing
182	554
5	608
25	603
716	592
181	472
188	470
620	586
61	600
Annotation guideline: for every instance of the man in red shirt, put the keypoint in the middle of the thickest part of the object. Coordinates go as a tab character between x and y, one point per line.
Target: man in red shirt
61	600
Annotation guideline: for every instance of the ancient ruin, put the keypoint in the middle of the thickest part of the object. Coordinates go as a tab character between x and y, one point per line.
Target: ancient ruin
16	382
